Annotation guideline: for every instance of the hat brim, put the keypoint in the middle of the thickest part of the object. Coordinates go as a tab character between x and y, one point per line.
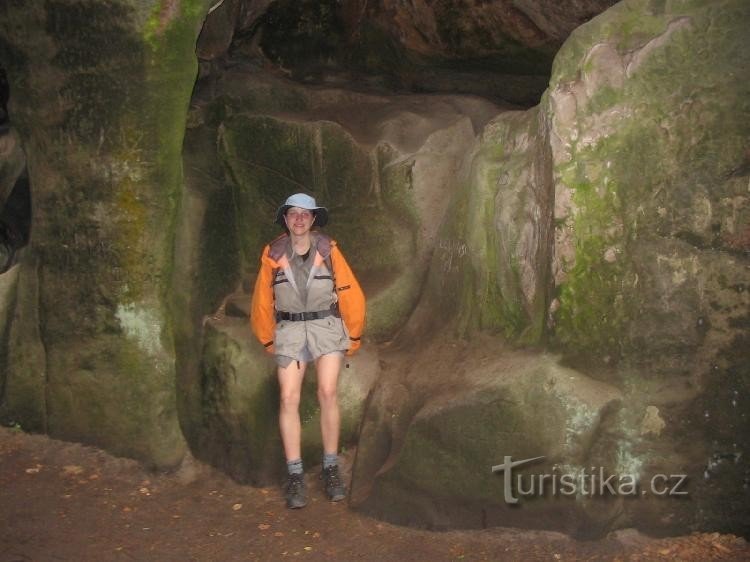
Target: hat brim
321	215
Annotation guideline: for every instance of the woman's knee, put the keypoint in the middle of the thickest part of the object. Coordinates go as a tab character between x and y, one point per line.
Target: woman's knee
289	399
327	394
290	385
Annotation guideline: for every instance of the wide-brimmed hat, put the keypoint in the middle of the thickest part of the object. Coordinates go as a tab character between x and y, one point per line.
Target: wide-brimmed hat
303	201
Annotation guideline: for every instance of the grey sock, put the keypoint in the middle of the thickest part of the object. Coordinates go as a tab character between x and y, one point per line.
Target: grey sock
330	459
294	467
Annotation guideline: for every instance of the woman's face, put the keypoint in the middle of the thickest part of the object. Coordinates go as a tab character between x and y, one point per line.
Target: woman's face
299	221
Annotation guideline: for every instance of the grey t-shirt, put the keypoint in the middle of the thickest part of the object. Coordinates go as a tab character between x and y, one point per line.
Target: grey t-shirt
301	266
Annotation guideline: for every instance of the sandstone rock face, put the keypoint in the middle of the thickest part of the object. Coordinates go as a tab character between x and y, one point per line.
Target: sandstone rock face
426	452
641	168
651	258
99	92
646	193
501	50
499	265
455	27
222	21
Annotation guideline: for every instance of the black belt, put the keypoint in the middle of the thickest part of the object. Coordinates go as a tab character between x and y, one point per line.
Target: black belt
300	316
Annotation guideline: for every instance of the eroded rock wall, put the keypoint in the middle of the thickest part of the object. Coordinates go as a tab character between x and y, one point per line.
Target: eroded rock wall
99	92
650	140
641	145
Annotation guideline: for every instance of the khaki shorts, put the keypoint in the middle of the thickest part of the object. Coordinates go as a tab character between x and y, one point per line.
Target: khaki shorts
308	340
284	361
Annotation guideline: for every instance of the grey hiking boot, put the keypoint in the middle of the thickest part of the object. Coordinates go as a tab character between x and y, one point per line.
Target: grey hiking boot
335	489
296	493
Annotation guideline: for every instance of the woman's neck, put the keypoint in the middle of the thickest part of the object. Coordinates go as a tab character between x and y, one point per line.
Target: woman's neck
300	244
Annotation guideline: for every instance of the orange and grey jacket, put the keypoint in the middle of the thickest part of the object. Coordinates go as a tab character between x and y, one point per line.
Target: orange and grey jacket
276	282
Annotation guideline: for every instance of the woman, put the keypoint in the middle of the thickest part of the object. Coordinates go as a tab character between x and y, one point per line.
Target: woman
307	306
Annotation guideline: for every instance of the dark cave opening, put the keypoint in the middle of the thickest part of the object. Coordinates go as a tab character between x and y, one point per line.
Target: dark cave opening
4	97
500	51
15	217
15	222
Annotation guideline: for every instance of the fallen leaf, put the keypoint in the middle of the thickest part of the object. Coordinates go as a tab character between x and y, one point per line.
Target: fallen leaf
237	506
278	534
264	526
308	548
72	469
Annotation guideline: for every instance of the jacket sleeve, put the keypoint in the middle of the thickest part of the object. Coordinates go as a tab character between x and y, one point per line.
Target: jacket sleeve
351	299
262	314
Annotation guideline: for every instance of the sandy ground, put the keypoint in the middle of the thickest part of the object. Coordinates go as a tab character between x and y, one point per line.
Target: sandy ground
64	501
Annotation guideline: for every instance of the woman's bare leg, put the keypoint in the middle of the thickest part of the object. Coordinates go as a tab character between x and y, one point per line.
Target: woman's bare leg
290	383
328	368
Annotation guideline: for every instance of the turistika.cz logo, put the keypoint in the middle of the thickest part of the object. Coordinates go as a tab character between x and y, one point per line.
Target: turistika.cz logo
593	482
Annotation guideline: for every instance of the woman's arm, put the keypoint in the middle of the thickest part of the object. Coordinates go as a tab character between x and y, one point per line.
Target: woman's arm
262	313
351	298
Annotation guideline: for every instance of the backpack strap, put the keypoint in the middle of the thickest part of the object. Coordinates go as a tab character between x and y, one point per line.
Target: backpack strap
277	247
276	250
323	245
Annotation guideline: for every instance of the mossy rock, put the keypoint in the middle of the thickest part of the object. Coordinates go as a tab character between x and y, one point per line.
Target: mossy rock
105	187
440	472
637	170
502	233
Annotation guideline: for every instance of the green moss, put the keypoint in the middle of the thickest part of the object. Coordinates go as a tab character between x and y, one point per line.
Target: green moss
604	98
593	313
455	443
641	180
219	260
388	309
495	207
101	394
